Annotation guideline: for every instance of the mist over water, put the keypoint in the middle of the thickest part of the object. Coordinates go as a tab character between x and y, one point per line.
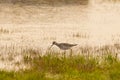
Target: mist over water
104	22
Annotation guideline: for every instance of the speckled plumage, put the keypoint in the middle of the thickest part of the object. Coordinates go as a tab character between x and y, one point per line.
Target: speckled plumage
63	46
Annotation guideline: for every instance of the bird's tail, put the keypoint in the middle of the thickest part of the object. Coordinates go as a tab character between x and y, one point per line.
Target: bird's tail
75	44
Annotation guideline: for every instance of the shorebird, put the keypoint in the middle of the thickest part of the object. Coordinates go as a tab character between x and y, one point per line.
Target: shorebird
63	46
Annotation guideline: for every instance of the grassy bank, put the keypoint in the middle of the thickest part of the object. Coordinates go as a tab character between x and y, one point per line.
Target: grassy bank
54	67
46	2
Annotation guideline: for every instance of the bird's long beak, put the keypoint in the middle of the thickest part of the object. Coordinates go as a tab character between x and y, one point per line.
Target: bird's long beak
51	46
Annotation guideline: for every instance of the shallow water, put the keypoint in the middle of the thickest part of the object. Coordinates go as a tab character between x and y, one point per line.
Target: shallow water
92	24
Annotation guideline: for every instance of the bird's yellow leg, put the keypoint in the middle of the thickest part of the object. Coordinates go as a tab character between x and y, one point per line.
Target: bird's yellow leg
71	52
64	54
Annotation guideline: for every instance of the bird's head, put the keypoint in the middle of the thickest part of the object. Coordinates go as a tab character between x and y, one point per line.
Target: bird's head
53	43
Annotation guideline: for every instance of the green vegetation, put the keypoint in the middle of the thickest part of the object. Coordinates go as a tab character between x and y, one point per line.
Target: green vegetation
54	67
48	2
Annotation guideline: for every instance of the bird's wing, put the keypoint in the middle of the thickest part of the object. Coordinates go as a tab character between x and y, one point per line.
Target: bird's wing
68	45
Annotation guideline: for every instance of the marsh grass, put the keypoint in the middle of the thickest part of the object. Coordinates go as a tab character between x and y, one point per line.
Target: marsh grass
4	31
80	35
54	67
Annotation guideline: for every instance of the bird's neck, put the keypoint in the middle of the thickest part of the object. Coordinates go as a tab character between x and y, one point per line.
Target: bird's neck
56	44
